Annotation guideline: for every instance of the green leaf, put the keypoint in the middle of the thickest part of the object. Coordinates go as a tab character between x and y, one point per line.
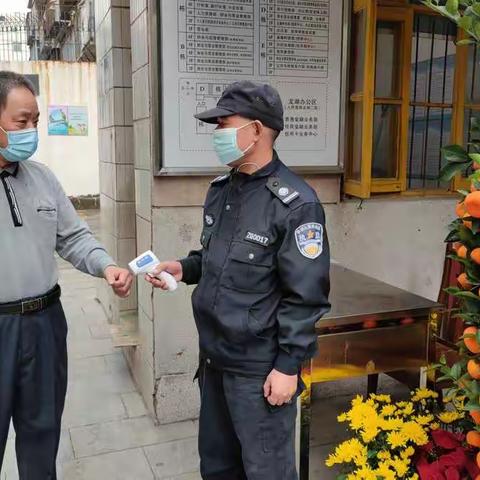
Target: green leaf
463	261
472	406
476	9
450	170
465	234
456	371
464	193
443	378
452	7
455	153
465	23
475	157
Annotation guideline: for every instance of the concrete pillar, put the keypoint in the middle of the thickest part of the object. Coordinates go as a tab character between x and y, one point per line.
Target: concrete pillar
115	112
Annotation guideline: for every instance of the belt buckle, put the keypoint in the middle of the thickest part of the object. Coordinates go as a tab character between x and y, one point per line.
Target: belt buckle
32	305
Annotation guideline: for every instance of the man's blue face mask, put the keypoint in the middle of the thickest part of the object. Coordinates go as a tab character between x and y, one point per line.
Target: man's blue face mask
226	146
22	144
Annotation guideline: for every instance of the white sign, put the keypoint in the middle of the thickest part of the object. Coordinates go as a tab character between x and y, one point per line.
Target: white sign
295	45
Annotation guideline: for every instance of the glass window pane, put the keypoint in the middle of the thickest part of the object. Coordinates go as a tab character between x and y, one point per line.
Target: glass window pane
472	87
356	127
430	130
385	141
358	52
387	70
433	59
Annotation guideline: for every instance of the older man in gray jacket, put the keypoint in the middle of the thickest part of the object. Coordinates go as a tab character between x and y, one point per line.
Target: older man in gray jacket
36	219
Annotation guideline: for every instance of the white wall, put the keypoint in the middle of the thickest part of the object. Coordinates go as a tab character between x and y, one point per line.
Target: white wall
399	241
74	160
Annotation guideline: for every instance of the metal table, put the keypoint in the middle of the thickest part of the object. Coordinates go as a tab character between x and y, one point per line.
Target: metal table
372	328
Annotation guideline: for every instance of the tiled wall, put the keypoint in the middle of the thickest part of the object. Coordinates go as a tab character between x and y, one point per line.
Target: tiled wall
115	112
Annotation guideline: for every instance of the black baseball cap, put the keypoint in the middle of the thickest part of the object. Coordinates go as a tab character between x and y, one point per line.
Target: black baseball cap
256	101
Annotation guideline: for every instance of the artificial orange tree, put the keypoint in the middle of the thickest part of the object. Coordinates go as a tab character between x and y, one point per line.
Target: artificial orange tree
464	376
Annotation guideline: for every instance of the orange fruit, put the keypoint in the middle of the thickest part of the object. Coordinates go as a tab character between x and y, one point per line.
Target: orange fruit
456	246
462	252
475	255
471	343
464	282
460	209
473	438
474	370
472	204
369	323
475	414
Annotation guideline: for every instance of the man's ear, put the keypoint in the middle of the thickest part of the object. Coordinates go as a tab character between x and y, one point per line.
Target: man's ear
259	128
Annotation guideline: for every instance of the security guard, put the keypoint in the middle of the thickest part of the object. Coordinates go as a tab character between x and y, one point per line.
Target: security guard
36	219
263	282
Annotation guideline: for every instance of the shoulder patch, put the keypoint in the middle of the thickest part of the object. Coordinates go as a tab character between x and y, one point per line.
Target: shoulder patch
309	238
220	179
282	190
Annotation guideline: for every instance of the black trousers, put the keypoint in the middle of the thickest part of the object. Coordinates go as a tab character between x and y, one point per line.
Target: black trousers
240	437
33	384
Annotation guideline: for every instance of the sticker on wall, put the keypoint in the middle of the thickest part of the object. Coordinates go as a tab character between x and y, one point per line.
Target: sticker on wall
67	120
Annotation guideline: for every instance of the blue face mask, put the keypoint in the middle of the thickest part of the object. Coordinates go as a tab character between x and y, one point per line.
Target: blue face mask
226	145
22	144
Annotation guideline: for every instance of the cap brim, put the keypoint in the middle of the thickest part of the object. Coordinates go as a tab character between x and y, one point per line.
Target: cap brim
212	115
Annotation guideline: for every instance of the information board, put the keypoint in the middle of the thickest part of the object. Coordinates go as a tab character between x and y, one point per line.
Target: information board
295	45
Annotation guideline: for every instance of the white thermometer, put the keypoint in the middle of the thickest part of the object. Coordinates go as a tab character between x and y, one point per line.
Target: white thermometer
146	263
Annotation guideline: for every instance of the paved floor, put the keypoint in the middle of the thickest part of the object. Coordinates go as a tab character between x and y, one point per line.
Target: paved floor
107	434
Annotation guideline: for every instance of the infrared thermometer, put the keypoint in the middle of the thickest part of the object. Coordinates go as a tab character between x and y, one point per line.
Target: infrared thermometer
146	263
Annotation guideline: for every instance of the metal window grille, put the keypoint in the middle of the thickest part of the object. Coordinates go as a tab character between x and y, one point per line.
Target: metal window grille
52	30
431	106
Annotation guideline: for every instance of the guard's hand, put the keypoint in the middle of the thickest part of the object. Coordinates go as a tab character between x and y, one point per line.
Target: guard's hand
280	388
173	268
120	279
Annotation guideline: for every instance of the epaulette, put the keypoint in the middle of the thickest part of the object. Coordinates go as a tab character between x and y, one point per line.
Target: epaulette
220	179
282	190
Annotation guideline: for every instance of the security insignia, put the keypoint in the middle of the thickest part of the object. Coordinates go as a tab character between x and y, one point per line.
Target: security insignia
309	237
281	190
209	220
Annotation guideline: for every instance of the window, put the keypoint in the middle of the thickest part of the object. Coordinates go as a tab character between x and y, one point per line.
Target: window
405	87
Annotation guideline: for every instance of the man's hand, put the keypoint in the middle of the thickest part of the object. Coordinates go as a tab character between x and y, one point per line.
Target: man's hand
120	279
173	268
280	388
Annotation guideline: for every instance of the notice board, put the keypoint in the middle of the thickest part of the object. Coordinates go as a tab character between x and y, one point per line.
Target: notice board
295	45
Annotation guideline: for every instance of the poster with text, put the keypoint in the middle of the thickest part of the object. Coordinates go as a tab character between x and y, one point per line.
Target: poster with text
294	45
67	120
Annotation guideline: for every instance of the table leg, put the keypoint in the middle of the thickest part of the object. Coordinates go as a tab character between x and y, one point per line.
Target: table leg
305	419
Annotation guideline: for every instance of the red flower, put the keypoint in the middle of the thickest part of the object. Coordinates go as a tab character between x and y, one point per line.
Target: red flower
451	473
447	440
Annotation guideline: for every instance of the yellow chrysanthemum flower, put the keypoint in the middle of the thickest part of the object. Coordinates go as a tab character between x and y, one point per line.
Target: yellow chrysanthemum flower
423	394
400	466
347	452
384	455
424	419
450	417
388	410
434	426
414	432
342	418
381	398
396	439
383	471
390	424
408	410
407	453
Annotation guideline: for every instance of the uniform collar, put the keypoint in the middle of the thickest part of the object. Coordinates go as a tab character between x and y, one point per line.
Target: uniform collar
11	169
265	171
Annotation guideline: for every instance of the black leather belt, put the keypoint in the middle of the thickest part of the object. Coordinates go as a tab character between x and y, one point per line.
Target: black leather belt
31	305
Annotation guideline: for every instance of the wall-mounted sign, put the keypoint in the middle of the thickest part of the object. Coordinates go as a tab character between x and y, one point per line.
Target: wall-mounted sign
67	120
295	45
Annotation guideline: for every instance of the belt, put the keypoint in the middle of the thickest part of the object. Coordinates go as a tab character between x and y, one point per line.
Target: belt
31	305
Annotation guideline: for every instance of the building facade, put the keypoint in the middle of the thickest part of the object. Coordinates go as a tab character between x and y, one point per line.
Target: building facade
61	30
405	88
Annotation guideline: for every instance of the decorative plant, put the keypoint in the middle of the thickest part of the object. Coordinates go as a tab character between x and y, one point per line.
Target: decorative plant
403	440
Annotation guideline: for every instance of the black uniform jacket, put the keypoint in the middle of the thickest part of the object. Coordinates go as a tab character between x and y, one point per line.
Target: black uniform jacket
262	272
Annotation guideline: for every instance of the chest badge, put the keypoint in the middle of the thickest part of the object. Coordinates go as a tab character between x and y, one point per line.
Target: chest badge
309	238
256	238
209	220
